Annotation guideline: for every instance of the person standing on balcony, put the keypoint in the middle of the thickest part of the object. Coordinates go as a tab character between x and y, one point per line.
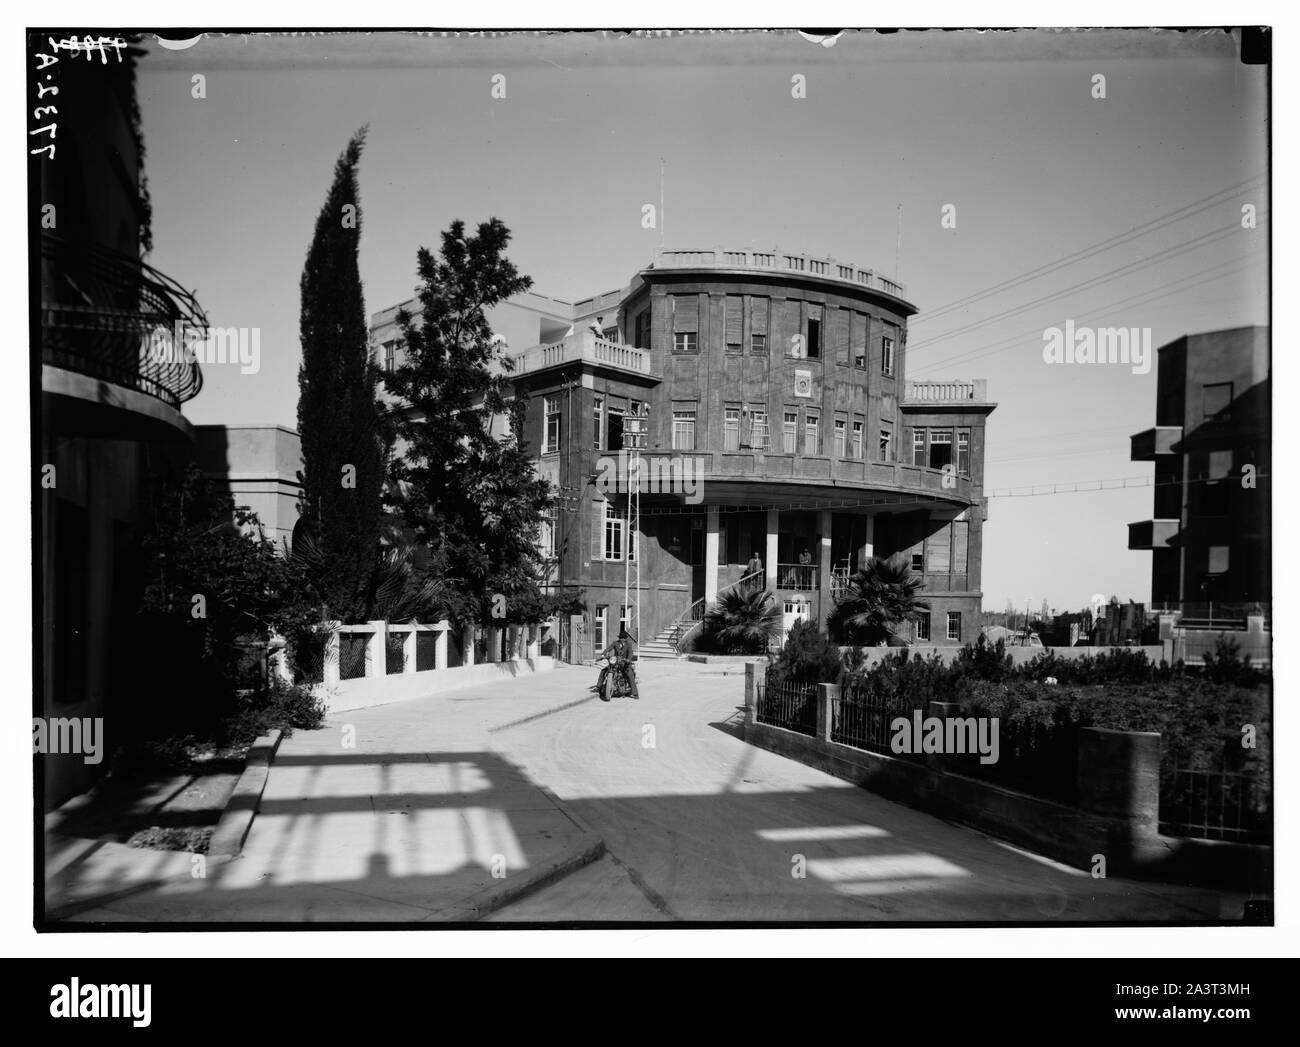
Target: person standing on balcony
755	566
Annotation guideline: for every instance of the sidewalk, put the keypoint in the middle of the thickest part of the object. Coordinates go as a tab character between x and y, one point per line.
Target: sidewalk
398	813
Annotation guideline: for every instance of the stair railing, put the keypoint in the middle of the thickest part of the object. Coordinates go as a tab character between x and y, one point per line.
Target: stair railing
693	617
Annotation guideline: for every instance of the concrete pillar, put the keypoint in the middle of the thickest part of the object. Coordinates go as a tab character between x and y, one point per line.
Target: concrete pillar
824	571
534	641
769	561
868	549
330	670
828	695
1119	777
751	692
711	556
467	643
377	649
440	646
409	662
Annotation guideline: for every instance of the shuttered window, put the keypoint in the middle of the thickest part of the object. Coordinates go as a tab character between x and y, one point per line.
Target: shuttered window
960	544
598	529
734	323
858	340
686	313
938	550
790	328
840	335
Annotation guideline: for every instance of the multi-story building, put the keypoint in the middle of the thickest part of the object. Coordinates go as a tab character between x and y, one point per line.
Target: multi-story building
1209	531
110	408
778	421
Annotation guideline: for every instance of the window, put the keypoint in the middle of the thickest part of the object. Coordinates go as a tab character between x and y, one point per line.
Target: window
789	429
812	441
1218	559
758	430
734	323
940	448
921	627
918	558
963	451
938	550
598	416
954	625
614	428
758	326
610	334
600	622
886	355
684	430
624	619
918	447
960	545
731	429
551	406
1215	498
686	323
886	441
814	346
857	440
841	429
1217	401
642	328
612	543
550	529
858	340
839	329
390	355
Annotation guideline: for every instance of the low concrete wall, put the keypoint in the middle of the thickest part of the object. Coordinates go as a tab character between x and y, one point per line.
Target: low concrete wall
364	692
1119	796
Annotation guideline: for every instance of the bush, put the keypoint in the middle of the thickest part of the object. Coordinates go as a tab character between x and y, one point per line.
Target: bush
808	657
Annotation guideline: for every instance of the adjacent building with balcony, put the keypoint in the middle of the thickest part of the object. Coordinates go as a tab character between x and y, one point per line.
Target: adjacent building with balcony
775	385
110	410
1209	531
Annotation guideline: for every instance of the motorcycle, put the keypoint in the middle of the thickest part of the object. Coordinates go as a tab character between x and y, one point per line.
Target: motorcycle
613	681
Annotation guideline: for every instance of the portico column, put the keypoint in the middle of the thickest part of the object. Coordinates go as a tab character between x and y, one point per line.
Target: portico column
868	543
824	574
711	556
769	561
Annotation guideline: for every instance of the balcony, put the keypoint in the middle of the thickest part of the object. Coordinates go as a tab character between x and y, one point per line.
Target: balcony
780	261
959	391
103	315
1153	534
584	347
797	577
1150	444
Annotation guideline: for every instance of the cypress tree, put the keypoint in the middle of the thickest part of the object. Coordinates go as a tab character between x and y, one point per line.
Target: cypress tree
338	416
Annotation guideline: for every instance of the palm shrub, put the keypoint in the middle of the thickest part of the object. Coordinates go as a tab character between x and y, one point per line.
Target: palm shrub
743	621
881	596
808	657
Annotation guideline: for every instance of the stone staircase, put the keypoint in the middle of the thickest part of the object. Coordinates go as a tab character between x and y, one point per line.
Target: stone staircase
659	647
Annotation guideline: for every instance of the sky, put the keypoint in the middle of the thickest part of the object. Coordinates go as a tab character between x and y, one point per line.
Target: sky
1001	130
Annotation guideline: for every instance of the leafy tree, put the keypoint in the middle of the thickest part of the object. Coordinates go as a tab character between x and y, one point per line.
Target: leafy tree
808	656
469	495
881	596
743	621
338	416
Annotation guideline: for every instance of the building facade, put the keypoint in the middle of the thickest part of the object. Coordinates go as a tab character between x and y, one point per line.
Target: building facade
1209	533
778	422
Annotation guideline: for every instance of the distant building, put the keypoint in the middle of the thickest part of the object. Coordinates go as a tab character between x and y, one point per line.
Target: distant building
1209	533
779	383
260	465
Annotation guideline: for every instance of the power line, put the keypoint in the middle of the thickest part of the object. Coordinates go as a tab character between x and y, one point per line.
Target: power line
1230	267
1186	211
1196	243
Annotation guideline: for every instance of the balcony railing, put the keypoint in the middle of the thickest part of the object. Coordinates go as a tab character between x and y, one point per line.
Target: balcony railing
104	314
585	345
974	390
717	258
797	576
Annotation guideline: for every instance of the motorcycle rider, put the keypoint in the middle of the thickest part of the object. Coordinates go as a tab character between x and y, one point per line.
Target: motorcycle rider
620	655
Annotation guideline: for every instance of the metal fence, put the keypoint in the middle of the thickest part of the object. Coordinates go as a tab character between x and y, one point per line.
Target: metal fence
787	704
861	719
352	656
1215	805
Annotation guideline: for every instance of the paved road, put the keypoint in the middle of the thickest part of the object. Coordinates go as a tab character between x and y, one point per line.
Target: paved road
701	826
407	822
